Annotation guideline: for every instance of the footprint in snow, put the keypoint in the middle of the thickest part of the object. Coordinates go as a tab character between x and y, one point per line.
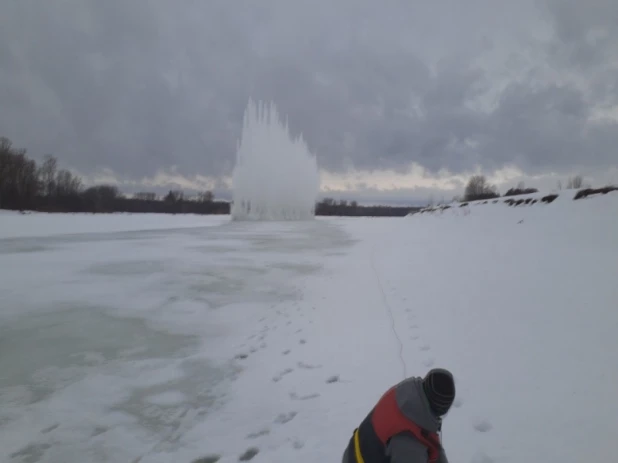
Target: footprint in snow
414	337
50	428
429	363
308	366
297	444
425	347
283	418
280	376
302	341
458	402
482	425
249	454
295	396
241	356
208	459
286	352
332	379
260	433
98	430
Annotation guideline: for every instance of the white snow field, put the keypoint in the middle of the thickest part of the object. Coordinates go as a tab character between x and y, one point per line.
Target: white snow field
217	342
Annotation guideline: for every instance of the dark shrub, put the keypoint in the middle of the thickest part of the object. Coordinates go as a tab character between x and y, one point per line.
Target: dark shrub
520	191
593	191
549	198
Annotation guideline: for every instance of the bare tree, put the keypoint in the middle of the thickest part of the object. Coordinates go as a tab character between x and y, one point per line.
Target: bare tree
47	174
6	146
67	184
478	188
19	184
206	197
174	196
575	183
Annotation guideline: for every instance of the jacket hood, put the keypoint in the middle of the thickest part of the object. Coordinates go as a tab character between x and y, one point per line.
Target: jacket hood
413	403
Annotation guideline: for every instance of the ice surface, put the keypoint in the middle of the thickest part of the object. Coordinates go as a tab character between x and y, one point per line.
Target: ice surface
276	176
35	224
181	345
114	345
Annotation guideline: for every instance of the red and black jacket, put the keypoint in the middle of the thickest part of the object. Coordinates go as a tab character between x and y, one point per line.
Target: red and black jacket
369	441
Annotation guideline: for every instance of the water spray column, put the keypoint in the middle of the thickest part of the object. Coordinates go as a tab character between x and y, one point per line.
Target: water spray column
276	177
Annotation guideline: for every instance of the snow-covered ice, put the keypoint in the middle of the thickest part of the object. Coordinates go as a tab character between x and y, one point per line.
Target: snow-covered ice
269	342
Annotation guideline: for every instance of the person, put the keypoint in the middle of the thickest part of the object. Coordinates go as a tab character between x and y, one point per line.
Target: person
405	425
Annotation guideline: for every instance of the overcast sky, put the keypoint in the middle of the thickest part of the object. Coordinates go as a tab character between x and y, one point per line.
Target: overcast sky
404	96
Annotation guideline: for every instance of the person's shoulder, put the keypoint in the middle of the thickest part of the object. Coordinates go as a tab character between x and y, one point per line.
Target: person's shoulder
409	387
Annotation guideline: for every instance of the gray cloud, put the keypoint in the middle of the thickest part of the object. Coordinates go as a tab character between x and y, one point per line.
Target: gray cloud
375	85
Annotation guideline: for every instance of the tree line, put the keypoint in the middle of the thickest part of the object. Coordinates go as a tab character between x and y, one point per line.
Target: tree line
330	207
478	188
24	185
27	186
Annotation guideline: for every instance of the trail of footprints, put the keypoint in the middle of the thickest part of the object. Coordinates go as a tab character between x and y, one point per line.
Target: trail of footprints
258	342
480	425
423	347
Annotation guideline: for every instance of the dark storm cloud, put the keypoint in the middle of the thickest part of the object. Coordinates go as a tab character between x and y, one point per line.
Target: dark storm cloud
140	86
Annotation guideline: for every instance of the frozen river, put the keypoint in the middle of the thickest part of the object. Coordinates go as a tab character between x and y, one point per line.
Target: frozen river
112	344
202	340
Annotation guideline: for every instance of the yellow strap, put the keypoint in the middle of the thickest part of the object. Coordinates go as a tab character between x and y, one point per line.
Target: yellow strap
357	451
